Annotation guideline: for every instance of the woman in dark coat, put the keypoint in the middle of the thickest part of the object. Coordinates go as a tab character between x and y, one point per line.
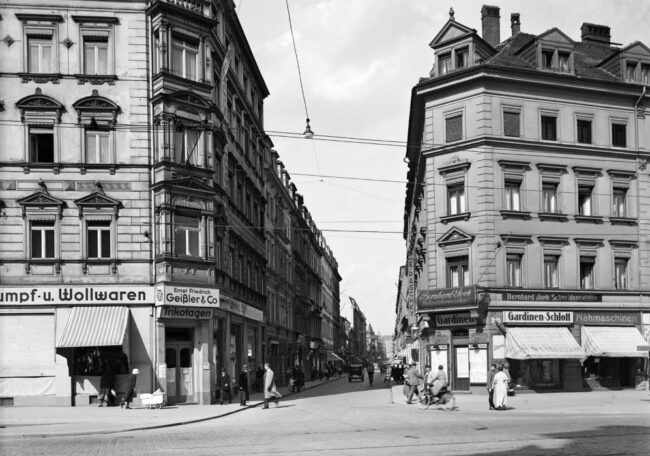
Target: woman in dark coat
130	387
243	385
106	383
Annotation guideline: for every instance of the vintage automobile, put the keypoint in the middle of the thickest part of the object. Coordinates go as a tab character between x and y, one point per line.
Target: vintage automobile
355	369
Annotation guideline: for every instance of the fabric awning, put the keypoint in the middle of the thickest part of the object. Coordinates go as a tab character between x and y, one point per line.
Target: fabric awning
331	356
542	343
612	341
95	326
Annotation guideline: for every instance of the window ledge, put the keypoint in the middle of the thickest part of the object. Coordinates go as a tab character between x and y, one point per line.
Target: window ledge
41	78
86	166
452	218
55	167
524	215
99	262
553	216
588	219
96	79
623	221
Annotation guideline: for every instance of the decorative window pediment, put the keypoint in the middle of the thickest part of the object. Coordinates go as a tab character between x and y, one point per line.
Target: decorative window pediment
100	203
39	107
41	200
95	106
455	236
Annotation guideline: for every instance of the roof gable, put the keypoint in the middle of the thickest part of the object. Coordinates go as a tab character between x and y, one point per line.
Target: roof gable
452	30
555	35
637	49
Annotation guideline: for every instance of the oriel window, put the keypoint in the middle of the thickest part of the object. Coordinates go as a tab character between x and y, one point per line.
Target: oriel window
186	235
184	58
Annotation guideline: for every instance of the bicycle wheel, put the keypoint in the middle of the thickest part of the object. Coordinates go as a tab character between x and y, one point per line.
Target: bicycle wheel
423	401
448	401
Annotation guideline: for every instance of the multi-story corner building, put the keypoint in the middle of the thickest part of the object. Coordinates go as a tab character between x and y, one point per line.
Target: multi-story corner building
76	219
528	207
132	202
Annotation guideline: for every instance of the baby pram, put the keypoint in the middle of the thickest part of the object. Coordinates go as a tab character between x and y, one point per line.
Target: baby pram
154	400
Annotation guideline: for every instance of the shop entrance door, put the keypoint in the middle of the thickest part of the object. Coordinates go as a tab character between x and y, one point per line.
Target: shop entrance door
178	357
461	368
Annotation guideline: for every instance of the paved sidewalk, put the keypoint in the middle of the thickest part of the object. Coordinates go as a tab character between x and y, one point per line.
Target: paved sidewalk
629	401
16	422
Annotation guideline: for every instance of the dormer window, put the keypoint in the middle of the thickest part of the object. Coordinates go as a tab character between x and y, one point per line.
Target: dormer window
630	70
462	58
563	59
547	59
444	64
645	74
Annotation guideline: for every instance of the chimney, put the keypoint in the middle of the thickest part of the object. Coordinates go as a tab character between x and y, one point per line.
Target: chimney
595	34
515	23
490	24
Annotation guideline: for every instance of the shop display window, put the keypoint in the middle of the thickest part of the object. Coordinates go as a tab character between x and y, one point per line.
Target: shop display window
92	361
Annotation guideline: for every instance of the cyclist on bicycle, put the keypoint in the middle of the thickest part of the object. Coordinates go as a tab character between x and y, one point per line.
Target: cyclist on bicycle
437	380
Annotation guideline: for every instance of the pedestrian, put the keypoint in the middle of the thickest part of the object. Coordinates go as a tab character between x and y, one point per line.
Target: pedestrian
413	377
490	379
130	388
106	384
500	386
270	390
438	381
300	379
243	385
370	368
224	387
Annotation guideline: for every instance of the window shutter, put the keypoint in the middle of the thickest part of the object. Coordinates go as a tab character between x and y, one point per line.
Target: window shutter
511	124
454	128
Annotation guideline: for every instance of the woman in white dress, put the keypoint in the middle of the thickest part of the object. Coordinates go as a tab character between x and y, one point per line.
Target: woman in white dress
500	386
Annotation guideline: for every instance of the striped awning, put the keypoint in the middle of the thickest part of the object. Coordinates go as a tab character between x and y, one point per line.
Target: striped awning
94	326
542	343
613	342
331	356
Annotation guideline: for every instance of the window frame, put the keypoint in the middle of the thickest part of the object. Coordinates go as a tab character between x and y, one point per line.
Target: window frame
448	118
509	197
590	122
101	226
512	110
614	135
545	185
585	200
185	43
36	130
616	206
554	259
582	279
454	263
542	131
514	278
40	40
448	67
98	132
200	236
97	30
44	227
626	273
461	203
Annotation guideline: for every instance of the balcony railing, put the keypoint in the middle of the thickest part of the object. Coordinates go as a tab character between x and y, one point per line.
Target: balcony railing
195	6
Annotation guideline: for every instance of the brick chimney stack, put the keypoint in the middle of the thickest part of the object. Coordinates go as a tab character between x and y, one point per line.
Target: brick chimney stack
596	34
515	23
490	24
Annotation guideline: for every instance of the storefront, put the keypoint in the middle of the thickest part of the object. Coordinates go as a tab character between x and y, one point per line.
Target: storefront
184	340
615	348
57	340
540	350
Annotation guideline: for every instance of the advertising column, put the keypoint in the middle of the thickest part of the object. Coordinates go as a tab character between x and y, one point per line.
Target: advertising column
184	325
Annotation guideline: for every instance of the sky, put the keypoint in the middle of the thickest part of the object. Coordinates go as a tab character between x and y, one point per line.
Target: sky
359	61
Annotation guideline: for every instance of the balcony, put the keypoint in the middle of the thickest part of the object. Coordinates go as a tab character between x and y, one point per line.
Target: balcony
195	6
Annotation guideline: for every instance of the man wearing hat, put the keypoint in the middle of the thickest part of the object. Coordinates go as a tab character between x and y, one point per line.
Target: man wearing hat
130	388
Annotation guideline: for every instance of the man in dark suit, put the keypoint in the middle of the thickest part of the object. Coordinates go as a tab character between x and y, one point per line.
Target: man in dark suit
224	387
490	388
243	385
413	377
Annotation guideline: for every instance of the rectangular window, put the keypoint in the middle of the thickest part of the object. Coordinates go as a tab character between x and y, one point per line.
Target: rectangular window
547	59
549	129
645	74
584	131
461	58
457	272
551	271
41	145
513	270
99	240
42	245
456	199
585	200
187	146
549	197
184	58
186	235
39	54
97	148
444	64
454	128
620	273
587	273
619	135
512	190
563	60
511	124
630	70
619	201
96	55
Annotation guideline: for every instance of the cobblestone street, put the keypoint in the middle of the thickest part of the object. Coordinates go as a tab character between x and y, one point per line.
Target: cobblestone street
352	418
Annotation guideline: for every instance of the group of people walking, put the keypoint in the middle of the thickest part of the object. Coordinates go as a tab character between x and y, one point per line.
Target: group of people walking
498	379
108	395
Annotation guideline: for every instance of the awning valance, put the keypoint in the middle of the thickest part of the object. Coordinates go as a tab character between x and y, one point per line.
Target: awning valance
542	343
331	356
95	326
612	341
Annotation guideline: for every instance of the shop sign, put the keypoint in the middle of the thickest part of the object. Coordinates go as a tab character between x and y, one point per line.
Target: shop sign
238	307
172	295
607	318
77	294
185	313
446	298
546	296
455	319
498	346
538	317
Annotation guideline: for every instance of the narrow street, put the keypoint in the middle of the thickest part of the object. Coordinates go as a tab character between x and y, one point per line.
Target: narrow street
353	418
